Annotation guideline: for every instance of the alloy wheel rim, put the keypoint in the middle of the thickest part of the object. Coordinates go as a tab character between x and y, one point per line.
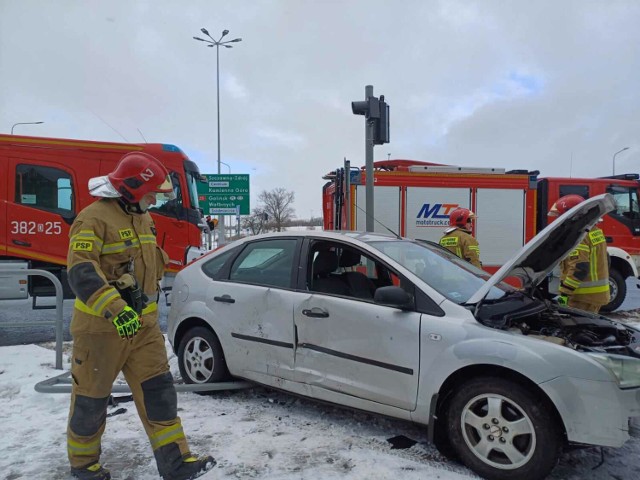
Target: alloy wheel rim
198	360
498	431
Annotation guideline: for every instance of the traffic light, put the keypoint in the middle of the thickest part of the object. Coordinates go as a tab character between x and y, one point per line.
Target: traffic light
370	108
377	111
381	132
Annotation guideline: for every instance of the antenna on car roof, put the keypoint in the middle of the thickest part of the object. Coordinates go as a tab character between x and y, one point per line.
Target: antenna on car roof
378	221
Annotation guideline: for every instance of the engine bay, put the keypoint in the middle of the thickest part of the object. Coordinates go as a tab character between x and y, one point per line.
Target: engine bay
547	321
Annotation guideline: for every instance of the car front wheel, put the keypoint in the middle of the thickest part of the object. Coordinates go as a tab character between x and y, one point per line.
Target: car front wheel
200	357
502	431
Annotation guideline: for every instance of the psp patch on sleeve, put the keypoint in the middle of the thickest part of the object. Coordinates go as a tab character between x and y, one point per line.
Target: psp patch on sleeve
126	234
80	246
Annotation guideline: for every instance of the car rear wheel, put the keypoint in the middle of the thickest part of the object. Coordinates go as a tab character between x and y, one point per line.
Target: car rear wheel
200	357
502	431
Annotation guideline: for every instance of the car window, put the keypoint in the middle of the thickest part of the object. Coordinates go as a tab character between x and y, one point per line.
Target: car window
212	267
338	269
266	262
446	273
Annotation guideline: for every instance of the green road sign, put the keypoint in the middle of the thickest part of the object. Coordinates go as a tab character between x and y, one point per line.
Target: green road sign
224	194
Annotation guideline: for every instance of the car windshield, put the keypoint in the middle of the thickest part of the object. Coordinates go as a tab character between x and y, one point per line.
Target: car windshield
449	275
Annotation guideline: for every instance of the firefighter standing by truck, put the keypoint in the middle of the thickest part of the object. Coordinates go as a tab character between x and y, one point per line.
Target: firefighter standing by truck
458	238
584	274
115	267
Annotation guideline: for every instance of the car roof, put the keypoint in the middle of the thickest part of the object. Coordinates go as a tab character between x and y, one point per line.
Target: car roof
329	235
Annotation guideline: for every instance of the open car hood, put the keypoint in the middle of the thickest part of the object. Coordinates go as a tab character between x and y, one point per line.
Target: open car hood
539	256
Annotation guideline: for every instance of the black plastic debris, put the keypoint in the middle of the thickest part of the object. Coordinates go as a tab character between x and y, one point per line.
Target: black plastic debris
117	412
401	442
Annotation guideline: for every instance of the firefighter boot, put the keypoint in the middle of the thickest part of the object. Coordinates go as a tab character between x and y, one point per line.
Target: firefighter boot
173	465
93	471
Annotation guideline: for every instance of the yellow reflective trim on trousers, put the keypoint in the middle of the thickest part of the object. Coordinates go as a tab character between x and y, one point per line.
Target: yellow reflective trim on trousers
582	247
587	290
83	448
474	248
119	247
166	436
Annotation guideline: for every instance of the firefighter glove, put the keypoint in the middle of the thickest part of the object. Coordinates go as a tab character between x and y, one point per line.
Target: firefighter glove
127	323
562	300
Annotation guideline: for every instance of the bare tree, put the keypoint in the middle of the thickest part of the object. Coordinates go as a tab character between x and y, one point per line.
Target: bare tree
256	222
278	205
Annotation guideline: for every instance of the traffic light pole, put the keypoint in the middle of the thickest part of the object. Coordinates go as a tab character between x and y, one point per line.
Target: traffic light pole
376	113
369	123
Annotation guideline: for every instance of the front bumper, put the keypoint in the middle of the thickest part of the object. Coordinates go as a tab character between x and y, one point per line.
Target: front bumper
593	412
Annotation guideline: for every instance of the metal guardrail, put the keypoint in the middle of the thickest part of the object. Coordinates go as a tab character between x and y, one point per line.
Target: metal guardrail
62	383
59	297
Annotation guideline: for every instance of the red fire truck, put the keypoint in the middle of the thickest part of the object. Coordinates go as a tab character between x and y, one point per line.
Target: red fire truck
415	198
43	186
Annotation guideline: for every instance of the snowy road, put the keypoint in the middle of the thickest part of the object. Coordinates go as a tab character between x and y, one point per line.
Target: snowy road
254	434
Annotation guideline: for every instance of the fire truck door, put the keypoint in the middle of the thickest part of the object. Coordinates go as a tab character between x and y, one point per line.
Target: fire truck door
428	209
386	209
500	225
42	210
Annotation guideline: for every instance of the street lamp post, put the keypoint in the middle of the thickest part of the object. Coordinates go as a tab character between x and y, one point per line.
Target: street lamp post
217	43
24	123
614	158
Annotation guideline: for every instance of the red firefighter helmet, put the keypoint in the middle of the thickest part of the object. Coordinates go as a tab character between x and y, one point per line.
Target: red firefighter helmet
139	173
564	204
460	216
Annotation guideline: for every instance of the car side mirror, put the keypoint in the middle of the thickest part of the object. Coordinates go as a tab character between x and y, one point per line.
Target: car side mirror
393	296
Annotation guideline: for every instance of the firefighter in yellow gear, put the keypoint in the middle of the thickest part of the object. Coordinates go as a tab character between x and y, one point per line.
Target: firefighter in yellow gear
459	240
114	269
584	274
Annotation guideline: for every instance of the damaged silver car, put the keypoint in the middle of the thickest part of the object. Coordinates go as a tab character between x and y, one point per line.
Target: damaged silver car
502	378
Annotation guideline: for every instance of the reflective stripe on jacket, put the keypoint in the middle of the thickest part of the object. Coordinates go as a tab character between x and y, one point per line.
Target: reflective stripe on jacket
460	242
584	274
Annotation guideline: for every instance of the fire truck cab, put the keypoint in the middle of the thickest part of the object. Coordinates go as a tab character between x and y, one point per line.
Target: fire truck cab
414	199
43	186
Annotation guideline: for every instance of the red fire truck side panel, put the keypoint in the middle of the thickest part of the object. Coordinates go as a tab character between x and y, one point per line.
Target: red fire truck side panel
44	186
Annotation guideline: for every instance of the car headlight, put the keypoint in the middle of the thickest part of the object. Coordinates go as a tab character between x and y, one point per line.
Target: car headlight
625	369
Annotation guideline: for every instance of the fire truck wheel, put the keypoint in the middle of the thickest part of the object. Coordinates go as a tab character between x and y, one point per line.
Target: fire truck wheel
618	289
200	357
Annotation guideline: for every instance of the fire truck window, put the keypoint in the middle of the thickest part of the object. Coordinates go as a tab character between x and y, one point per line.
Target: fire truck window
45	188
626	201
170	207
582	190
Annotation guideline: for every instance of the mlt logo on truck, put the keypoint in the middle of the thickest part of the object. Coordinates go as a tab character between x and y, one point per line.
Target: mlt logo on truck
436	215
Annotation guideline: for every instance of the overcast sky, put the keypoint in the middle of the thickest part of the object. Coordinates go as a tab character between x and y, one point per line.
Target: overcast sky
546	85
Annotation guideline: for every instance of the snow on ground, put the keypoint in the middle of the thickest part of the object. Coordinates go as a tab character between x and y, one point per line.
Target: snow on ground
256	433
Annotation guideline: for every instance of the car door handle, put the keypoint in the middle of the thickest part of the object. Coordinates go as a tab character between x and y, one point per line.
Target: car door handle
315	312
22	243
225	299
